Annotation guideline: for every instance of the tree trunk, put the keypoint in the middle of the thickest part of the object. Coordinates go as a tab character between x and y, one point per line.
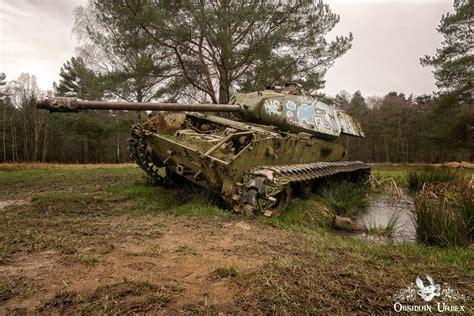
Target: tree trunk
45	145
4	144
26	147
224	91
14	145
86	150
117	160
36	134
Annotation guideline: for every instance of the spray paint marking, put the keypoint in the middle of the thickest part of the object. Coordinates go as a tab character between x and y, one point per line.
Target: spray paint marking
272	107
305	114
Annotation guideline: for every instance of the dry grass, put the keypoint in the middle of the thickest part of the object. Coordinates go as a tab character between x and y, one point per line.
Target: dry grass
54	166
408	166
445	213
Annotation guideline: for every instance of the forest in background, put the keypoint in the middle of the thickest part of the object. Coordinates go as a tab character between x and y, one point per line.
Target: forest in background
206	51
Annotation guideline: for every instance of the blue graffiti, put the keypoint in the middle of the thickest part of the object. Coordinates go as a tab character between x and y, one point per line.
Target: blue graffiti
306	114
291	105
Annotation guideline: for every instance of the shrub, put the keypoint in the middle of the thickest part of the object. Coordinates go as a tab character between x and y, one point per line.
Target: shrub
444	214
345	198
430	175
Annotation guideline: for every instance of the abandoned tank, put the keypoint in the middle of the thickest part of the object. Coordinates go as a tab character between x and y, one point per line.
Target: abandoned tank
281	141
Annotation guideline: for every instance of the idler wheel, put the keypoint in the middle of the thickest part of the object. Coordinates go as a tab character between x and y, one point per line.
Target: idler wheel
281	200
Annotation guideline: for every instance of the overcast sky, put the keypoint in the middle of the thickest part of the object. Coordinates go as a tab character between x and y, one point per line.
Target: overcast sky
389	38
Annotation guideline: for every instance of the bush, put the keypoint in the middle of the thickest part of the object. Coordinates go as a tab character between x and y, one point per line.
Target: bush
430	175
345	198
444	214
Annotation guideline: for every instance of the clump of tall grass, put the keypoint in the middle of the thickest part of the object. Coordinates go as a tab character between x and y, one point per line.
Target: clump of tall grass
388	230
345	198
430	175
444	214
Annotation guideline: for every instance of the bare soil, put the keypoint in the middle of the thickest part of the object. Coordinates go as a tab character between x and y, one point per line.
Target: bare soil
178	260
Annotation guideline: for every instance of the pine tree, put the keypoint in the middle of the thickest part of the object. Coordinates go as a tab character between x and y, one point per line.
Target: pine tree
454	61
79	81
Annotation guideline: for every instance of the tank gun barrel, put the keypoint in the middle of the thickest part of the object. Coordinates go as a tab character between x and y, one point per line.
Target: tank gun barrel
66	104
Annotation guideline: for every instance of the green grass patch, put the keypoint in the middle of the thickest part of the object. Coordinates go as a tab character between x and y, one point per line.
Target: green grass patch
86	259
187	250
184	200
58	197
345	198
223	272
386	230
399	177
302	213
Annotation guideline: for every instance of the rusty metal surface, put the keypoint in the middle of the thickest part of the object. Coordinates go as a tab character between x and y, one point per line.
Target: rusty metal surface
298	113
64	104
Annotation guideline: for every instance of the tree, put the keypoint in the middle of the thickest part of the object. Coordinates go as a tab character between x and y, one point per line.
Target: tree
358	102
454	62
342	98
4	100
221	46
79	81
453	71
26	123
132	67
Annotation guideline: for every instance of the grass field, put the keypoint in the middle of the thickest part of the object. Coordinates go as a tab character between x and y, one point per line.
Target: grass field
97	239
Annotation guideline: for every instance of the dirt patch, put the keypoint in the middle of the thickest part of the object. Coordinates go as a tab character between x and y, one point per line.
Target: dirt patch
153	272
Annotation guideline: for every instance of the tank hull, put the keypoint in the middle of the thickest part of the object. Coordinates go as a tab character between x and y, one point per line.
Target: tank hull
252	167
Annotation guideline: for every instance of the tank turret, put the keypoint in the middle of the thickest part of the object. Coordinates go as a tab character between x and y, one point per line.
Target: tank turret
283	140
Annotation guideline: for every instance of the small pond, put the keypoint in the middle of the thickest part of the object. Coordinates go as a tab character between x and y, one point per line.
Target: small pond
384	208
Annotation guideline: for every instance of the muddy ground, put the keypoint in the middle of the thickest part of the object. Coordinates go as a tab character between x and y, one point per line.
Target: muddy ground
98	239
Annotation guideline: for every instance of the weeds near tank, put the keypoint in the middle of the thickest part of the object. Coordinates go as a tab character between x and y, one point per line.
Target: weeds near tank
6	290
380	184
430	175
445	214
387	230
345	198
86	259
223	272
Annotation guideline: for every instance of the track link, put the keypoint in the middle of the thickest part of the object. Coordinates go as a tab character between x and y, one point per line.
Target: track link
141	154
267	188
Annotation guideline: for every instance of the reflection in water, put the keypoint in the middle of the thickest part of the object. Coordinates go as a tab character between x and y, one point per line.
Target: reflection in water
383	208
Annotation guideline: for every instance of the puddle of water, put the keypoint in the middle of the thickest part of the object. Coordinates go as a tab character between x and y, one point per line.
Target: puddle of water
383	208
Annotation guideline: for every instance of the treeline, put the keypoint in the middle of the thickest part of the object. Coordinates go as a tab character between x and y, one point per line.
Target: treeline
398	129
30	135
403	129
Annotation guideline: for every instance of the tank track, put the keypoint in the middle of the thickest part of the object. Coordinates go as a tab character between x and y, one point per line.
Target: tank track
141	154
268	188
